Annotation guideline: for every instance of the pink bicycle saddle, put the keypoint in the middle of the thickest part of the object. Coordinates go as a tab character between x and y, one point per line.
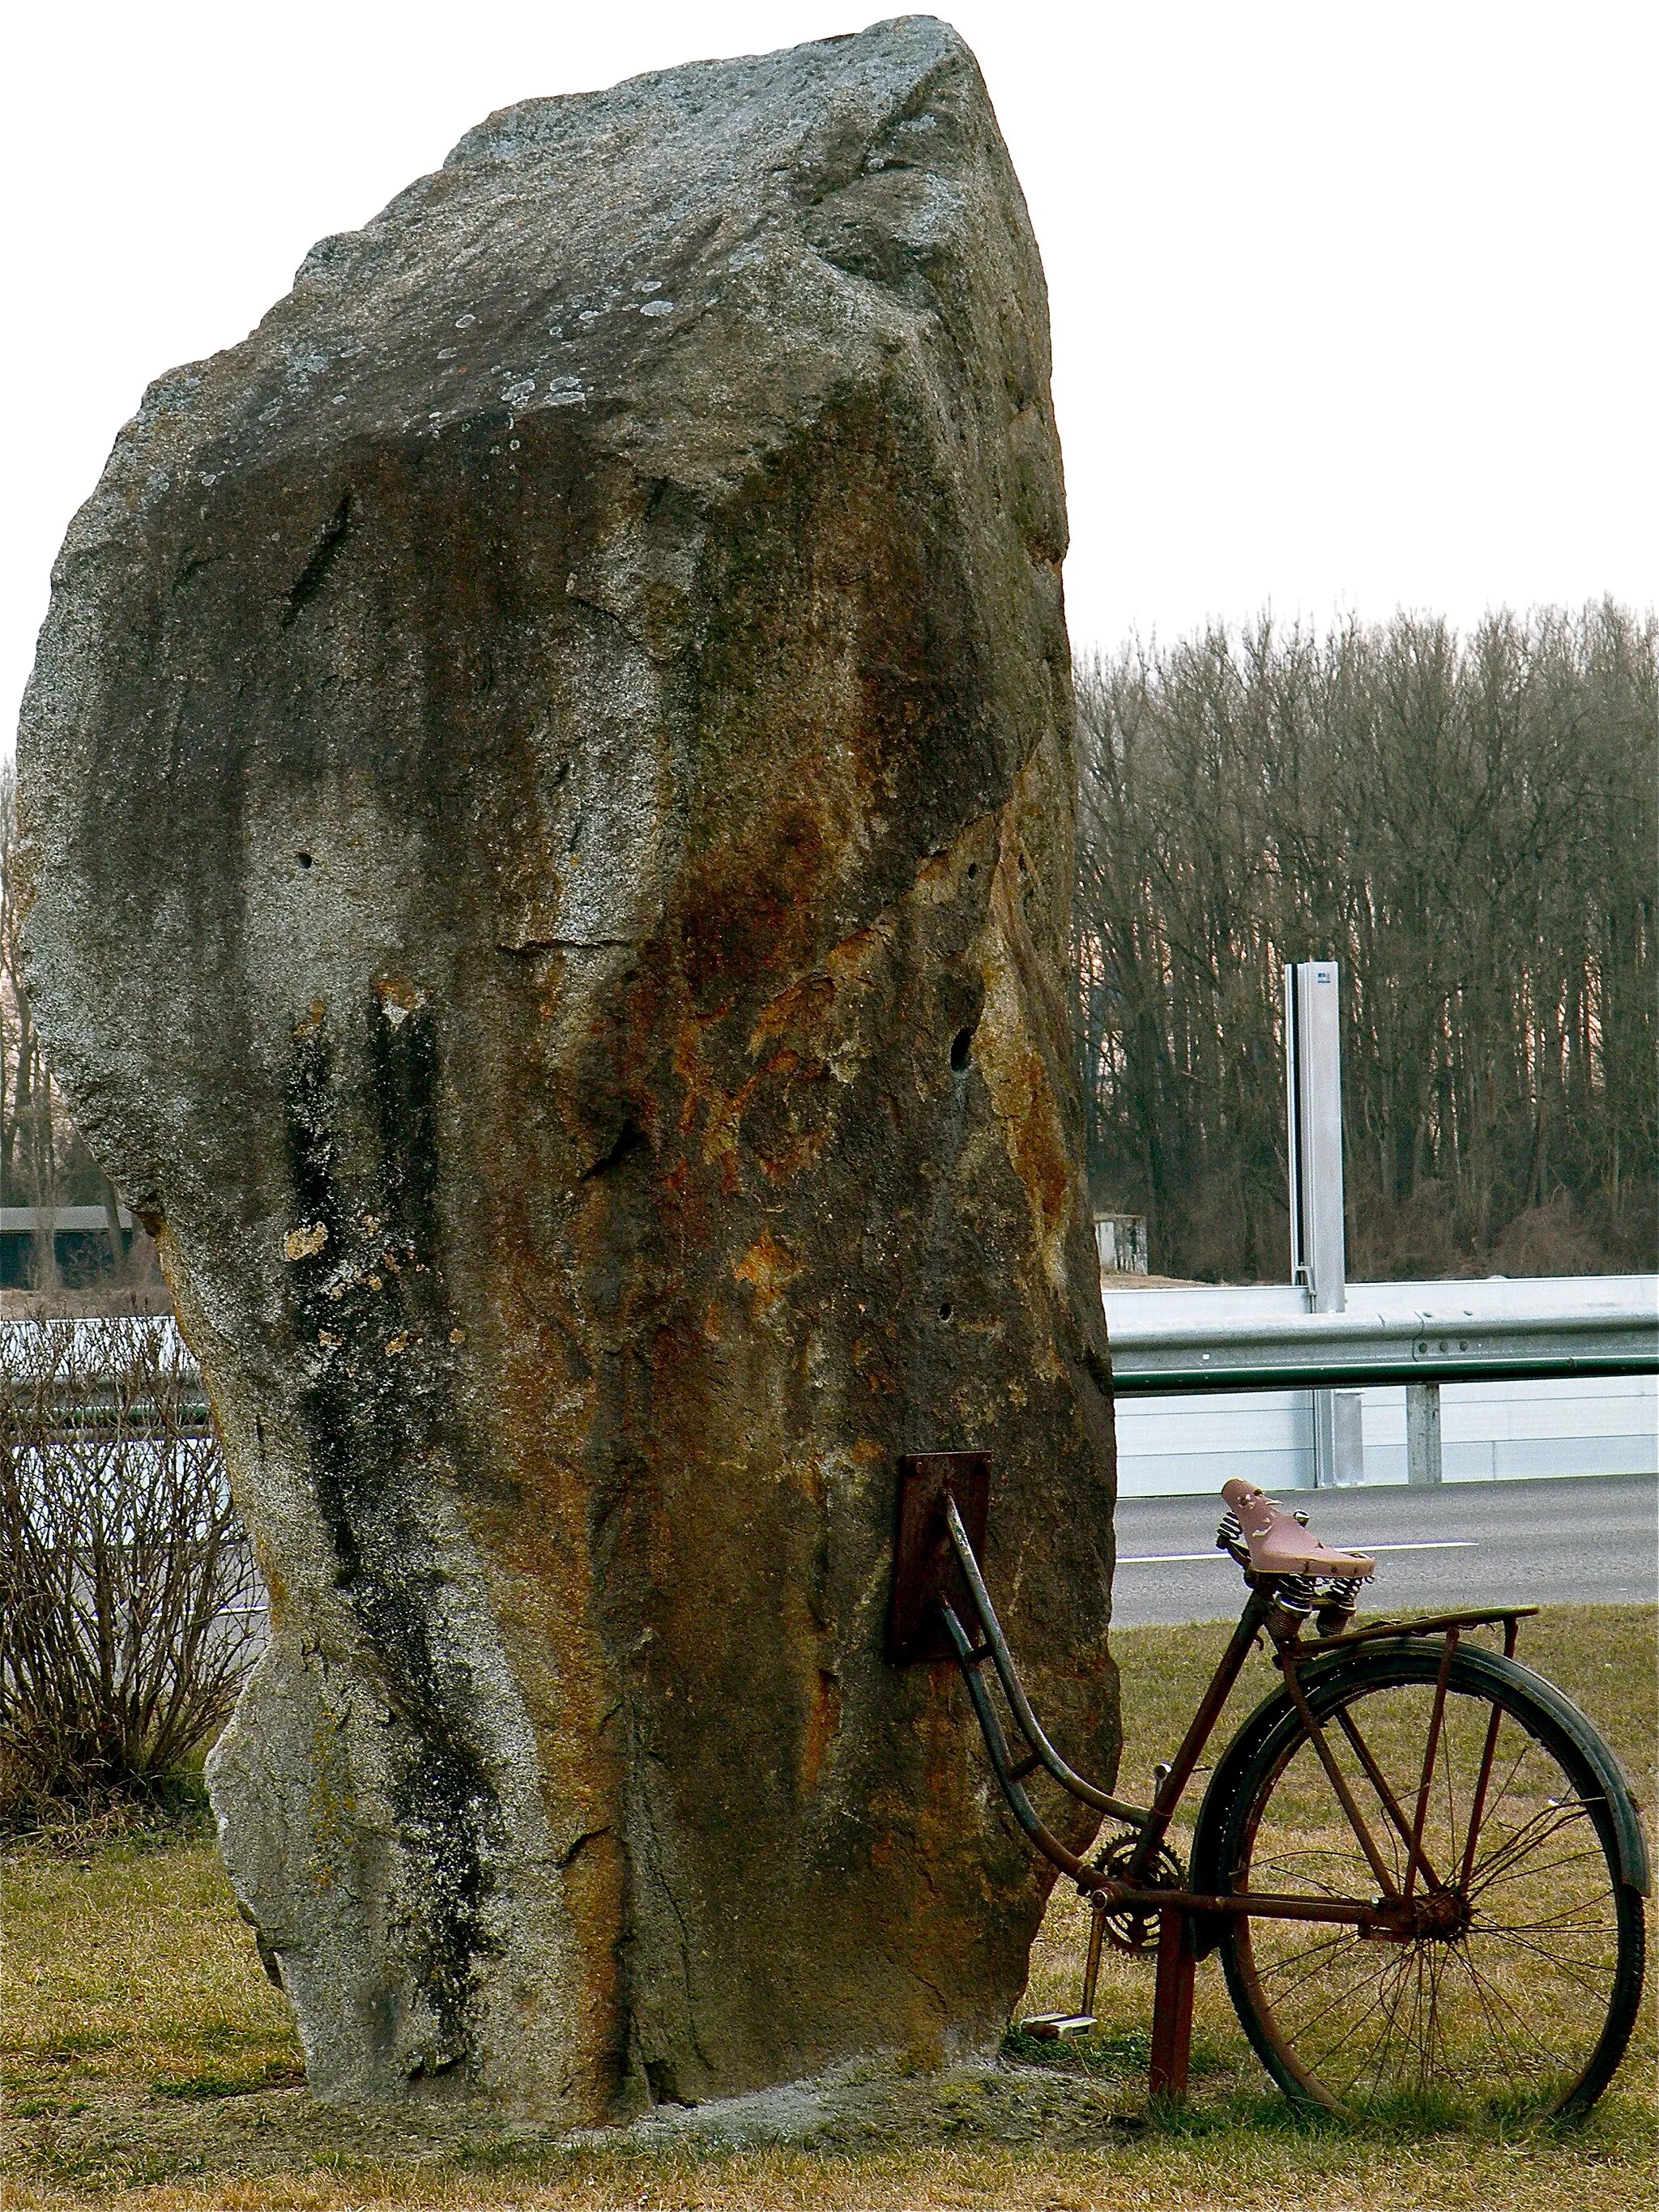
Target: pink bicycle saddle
1279	1545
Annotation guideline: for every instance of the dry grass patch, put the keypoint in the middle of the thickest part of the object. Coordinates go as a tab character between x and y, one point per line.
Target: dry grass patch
1227	2177
149	2063
132	1967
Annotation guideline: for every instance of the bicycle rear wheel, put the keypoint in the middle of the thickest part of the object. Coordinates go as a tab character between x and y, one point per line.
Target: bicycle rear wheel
1512	1976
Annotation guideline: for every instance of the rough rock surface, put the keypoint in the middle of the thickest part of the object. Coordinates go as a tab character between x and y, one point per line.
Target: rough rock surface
547	791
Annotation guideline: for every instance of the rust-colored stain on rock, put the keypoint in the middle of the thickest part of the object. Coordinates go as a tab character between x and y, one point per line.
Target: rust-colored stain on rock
769	1269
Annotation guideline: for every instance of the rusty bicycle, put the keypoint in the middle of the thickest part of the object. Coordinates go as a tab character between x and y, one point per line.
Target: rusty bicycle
1420	1864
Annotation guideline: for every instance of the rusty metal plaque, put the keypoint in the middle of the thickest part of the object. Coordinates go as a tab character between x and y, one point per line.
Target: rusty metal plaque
925	1564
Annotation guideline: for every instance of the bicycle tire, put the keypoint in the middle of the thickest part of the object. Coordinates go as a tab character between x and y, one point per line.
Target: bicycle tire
1523	1996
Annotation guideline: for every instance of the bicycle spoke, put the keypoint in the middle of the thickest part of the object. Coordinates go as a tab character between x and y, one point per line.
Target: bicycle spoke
1591	1852
1312	1997
1391	2017
1559	1966
1521	1756
1338	2003
1532	1834
1378	2002
1524	2055
1500	2033
1582	1916
1297	1875
1567	1922
1433	2025
1334	2002
1297	1961
1411	1988
1555	1820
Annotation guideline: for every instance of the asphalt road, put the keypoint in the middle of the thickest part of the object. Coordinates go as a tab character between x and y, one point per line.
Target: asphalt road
1585	1540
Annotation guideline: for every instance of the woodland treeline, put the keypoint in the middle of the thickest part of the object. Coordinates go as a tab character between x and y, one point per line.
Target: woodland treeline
1467	825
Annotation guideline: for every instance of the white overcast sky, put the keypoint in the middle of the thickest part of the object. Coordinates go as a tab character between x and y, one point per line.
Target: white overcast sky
1354	303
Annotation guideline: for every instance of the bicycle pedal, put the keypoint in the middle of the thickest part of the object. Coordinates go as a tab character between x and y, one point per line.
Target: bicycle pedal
1050	2027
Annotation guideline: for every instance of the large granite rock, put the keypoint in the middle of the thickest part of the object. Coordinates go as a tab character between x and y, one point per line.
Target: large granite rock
548	784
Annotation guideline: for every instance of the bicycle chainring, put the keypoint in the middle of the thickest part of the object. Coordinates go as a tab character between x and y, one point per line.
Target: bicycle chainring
1134	1927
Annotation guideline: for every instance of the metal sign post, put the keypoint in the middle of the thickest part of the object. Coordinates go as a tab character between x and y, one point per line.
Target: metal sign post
1313	1068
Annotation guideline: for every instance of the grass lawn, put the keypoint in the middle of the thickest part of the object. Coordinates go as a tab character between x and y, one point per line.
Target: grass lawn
149	2062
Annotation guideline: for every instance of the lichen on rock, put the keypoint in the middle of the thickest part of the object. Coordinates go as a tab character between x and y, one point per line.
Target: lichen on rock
548	797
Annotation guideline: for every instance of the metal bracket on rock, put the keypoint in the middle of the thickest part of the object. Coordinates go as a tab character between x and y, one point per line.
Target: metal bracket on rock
926	1573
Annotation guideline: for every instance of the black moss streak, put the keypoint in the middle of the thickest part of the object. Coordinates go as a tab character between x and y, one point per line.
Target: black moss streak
404	1067
374	1433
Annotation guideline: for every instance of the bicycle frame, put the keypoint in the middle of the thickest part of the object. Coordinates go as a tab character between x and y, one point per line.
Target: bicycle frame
934	1537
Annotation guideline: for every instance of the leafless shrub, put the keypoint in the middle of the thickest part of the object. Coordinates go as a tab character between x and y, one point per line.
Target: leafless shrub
1552	1239
129	1607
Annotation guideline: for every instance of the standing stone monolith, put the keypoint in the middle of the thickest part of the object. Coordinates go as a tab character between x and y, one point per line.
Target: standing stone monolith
548	799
